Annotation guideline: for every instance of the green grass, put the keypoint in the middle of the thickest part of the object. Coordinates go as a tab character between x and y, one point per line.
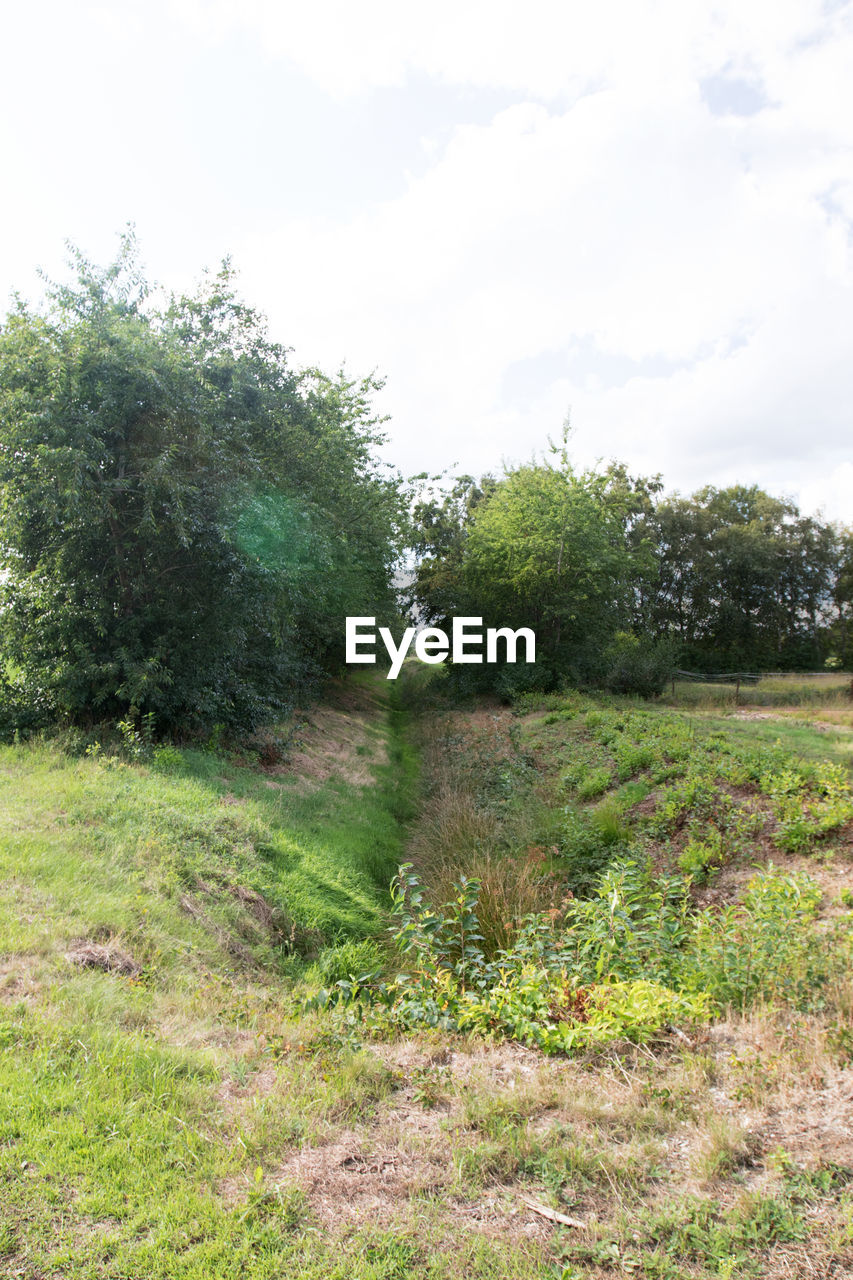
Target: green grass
148	1121
799	738
770	691
113	847
119	1153
117	1159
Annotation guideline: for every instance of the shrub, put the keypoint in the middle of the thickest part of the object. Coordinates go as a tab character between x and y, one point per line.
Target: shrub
595	783
699	857
762	947
638	666
23	706
186	520
544	990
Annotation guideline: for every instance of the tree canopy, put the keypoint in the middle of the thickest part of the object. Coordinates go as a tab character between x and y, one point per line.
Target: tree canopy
545	546
621	581
743	580
185	519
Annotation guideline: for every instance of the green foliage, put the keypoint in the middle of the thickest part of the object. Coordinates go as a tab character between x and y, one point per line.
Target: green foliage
634	926
701	856
743	581
594	783
621	964
537	991
354	960
184	520
697	772
585	850
618	582
638	665
552	989
725	1241
273	873
545	547
808	804
763	947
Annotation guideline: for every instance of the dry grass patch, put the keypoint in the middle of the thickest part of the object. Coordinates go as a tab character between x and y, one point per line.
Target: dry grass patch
723	1146
108	956
337	740
368	1177
21	978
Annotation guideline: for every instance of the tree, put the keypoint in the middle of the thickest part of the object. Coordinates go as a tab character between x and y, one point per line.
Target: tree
840	628
185	520
544	547
743	579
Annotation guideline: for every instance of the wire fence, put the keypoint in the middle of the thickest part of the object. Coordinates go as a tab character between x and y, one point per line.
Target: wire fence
751	678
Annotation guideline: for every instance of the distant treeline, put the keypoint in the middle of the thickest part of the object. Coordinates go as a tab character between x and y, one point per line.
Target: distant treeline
623	582
186	521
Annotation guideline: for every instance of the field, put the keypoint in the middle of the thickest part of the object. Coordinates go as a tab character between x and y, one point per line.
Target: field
228	1052
807	695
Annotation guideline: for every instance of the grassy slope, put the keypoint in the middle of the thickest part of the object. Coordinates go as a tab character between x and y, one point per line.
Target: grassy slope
186	1122
127	1147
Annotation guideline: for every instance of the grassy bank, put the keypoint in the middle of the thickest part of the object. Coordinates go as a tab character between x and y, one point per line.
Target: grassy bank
154	914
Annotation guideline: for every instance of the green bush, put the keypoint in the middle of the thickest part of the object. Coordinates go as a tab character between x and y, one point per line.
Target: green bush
638	666
535	991
186	520
24	706
699	857
764	947
594	783
621	964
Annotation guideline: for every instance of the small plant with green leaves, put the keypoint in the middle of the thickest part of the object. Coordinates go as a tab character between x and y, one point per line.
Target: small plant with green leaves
594	783
287	1206
700	857
430	1084
137	734
764	946
167	757
808	804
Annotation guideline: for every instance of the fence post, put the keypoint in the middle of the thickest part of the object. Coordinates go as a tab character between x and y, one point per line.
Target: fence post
737	694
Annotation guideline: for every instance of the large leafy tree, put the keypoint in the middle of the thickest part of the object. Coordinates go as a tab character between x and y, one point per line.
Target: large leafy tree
743	579
841	619
185	520
546	547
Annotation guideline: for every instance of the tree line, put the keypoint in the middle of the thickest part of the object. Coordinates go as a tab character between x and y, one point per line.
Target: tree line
623	582
186	521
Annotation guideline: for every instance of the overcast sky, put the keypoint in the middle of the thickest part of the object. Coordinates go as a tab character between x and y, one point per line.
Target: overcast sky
638	211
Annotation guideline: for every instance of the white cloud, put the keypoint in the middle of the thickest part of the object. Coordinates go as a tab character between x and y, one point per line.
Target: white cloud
831	494
641	221
547	48
674	262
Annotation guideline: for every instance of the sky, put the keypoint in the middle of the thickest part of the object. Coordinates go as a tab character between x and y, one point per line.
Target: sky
634	213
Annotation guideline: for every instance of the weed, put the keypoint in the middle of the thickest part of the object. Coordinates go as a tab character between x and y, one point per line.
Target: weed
724	1147
430	1084
594	783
